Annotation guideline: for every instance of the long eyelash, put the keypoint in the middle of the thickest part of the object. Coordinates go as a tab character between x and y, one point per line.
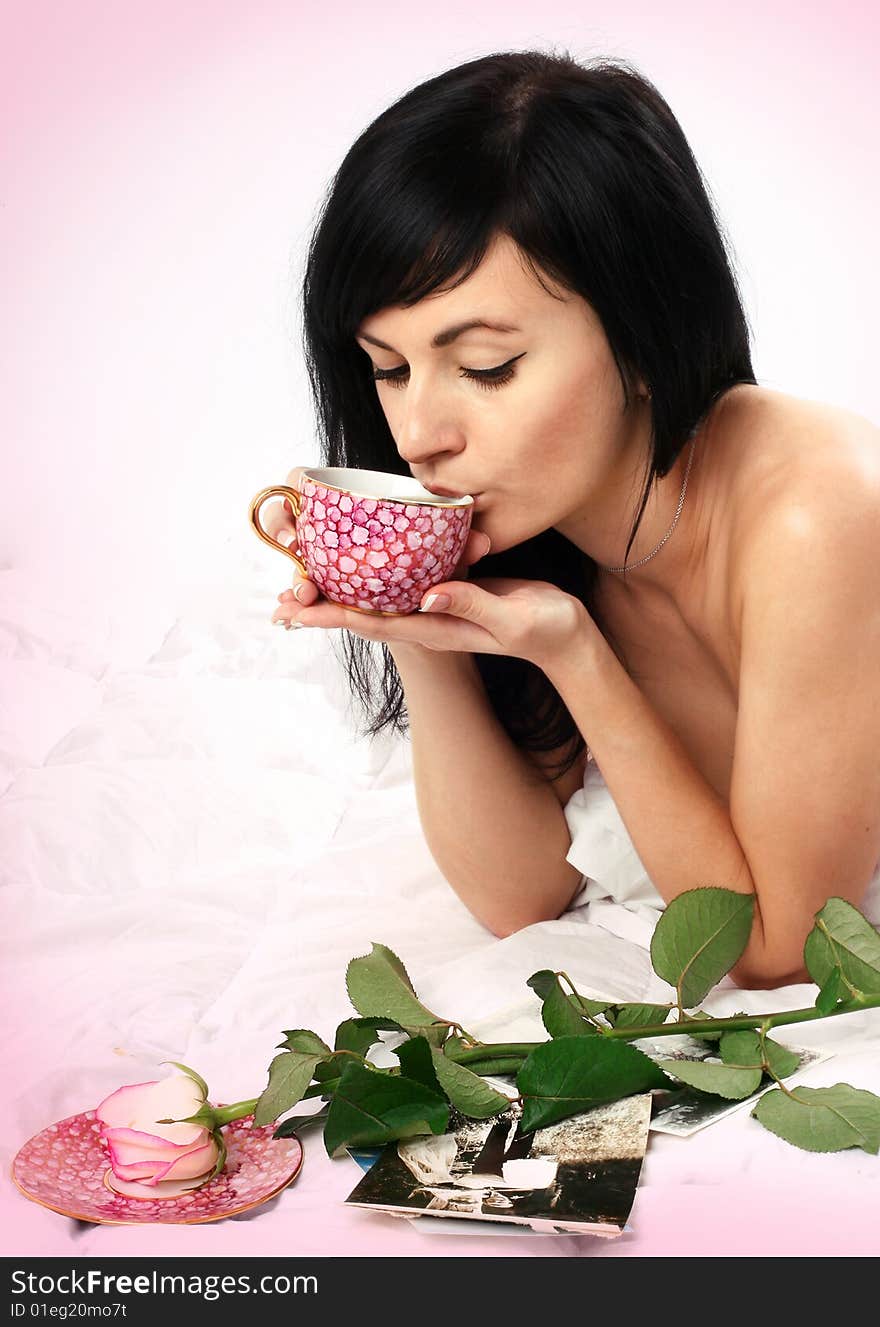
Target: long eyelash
487	378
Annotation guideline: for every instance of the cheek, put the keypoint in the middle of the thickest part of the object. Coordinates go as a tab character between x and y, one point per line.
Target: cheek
586	416
554	430
567	400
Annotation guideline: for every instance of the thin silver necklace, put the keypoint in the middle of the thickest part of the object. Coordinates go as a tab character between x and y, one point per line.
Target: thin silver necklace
632	566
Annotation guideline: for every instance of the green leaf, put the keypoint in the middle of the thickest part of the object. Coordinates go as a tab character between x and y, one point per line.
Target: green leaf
416	1063
843	938
781	1059
822	1119
543	982
466	1090
329	1068
302	1039
637	1015
370	1107
296	1123
830	993
378	984
329	1085
570	1074
560	1016
720	1079
699	937
743	1049
360	1034
289	1075
191	1073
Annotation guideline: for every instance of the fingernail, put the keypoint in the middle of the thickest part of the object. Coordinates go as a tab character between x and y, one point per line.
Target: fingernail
488	543
285	537
285	596
297	595
435	603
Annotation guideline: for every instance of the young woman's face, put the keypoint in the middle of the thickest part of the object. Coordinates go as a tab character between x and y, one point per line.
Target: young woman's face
541	437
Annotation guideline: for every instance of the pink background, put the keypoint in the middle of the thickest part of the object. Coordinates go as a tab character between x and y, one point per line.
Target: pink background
162	168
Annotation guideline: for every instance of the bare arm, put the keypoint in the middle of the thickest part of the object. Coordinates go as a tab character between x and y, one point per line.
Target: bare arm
492	821
493	824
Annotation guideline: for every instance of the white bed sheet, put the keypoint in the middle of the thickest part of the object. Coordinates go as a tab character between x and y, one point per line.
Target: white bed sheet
194	844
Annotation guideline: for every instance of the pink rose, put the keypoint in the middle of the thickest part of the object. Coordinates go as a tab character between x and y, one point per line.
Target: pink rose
143	1149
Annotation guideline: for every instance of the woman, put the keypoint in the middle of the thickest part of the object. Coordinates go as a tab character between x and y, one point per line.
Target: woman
725	679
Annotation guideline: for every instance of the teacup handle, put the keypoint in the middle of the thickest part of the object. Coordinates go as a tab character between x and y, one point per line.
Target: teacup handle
295	499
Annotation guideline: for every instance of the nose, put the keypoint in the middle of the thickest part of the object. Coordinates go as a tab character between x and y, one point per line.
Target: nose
423	432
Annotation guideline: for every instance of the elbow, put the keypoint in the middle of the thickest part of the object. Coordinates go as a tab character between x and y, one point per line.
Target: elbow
767	972
771	960
554	904
504	929
510	927
504	924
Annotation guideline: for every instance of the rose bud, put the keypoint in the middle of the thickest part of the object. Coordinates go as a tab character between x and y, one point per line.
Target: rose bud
145	1150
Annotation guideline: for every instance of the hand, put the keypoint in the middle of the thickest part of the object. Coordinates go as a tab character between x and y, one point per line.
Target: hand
525	619
278	521
532	620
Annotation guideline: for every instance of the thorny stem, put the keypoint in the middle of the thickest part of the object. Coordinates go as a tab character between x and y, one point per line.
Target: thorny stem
507	1056
739	1022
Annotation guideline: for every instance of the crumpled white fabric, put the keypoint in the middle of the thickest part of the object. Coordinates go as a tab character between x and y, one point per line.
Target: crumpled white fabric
195	843
617	892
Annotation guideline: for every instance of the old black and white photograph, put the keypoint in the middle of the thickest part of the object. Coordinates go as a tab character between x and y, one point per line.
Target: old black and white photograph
577	1174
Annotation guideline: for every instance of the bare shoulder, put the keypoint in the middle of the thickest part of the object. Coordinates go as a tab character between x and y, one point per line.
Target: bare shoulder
785	455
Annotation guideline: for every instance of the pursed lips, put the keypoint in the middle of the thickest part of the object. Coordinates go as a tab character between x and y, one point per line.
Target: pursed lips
448	492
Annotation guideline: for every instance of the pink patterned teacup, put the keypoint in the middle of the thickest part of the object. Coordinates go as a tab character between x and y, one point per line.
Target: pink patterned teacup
371	541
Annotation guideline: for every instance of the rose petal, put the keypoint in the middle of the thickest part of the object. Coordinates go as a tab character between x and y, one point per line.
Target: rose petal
115	1104
166	1189
132	1161
142	1149
194	1163
141	1106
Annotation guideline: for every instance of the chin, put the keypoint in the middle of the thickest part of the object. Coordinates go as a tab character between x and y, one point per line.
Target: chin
503	535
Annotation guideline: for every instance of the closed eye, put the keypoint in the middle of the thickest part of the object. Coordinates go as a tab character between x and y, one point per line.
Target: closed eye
487	378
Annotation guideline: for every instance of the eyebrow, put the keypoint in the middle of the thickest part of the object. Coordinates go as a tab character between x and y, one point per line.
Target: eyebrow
446	337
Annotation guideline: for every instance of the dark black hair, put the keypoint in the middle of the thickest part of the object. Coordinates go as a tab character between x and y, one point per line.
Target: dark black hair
585	167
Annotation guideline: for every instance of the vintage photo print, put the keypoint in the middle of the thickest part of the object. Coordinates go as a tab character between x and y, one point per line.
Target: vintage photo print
578	1174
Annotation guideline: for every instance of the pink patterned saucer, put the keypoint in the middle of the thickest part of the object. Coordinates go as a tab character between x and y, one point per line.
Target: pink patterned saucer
63	1168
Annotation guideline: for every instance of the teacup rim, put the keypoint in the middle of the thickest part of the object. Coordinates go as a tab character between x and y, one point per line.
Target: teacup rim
428	500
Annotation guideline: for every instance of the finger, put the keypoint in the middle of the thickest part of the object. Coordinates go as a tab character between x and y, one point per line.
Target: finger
294	476
277	520
279	523
476	547
305	593
464	599
277	517
332	617
403	628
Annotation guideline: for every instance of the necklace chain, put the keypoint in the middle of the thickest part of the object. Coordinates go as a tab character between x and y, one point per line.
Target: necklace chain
643	560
